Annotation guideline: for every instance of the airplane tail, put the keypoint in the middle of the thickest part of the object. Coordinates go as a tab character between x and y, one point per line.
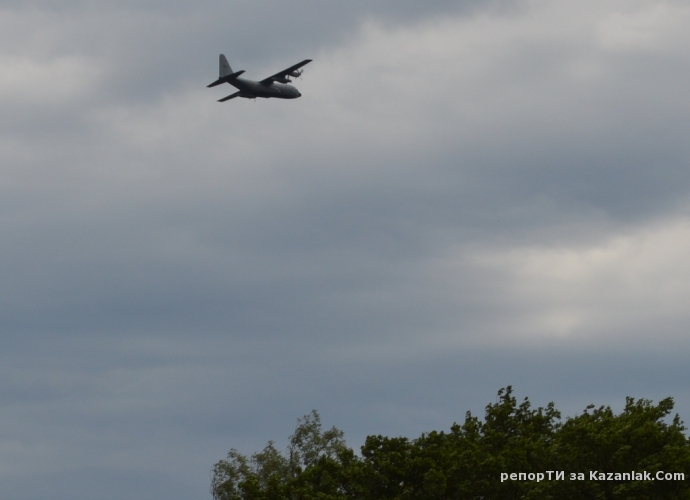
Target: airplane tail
225	68
226	73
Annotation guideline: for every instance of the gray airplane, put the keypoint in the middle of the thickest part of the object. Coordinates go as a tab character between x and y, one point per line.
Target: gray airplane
273	86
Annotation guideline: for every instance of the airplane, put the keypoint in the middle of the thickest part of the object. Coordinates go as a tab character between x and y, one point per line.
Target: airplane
273	86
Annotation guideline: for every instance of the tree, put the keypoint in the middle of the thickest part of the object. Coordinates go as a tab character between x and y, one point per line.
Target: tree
270	474
639	439
309	444
471	460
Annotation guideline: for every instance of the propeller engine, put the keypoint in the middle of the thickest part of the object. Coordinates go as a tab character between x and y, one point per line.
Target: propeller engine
286	77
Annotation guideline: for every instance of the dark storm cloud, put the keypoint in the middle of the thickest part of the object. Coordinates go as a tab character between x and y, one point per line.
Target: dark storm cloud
466	196
149	48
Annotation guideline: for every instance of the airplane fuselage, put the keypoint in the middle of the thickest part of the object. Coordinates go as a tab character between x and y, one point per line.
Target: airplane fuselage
275	86
252	89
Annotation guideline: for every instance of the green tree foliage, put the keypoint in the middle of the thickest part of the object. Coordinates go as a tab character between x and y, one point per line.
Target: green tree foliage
313	467
467	462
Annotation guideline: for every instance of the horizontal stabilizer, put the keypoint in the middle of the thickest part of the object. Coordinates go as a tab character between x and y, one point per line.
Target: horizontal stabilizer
231	96
226	79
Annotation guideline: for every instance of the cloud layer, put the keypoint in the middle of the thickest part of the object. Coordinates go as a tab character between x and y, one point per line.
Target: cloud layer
466	196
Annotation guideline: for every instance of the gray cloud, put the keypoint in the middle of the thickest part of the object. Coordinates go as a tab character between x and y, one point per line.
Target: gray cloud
466	196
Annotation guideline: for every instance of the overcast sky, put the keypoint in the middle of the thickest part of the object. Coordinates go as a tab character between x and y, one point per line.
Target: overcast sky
467	195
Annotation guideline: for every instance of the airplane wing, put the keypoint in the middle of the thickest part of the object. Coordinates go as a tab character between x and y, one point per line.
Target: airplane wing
281	76
231	96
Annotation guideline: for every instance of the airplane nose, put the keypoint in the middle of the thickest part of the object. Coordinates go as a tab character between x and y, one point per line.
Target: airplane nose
299	94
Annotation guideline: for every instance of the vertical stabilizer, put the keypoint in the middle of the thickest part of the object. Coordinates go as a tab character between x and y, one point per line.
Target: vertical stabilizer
225	68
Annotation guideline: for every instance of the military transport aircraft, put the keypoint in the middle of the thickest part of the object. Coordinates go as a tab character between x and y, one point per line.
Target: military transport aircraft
273	86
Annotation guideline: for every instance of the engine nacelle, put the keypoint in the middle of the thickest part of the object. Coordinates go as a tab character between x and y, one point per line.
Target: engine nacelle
295	73
282	80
